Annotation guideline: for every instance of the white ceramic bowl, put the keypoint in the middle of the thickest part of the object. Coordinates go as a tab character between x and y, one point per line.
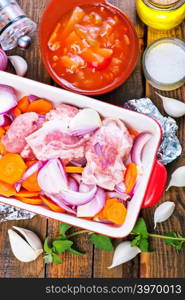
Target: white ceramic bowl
154	177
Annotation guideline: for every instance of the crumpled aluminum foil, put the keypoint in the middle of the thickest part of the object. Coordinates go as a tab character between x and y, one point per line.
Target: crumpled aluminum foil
170	147
10	213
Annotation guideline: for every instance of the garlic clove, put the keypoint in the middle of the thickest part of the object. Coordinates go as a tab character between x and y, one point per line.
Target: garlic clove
19	63
85	119
31	238
177	178
163	212
123	253
20	248
173	107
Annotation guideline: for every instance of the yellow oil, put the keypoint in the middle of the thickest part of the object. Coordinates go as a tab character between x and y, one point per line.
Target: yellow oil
160	17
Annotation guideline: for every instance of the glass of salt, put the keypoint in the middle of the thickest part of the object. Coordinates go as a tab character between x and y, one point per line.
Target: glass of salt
164	63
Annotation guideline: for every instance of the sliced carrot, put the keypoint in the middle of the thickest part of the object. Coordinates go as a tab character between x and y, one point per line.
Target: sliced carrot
34	201
6	189
31	183
51	204
12	168
2	149
40	106
72	169
130	177
113	211
23	104
75	18
16	111
134	133
27	194
2	131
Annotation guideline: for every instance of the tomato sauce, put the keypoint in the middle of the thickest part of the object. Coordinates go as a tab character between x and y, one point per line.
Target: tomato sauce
89	47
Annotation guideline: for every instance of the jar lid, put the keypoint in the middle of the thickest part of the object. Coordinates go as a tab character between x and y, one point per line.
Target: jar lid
165	2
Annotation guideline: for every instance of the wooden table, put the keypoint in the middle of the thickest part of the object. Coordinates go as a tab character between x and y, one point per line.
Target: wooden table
163	260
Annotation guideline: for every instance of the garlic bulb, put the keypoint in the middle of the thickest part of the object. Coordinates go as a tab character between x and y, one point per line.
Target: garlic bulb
163	212
19	63
27	247
123	253
86	120
173	107
177	178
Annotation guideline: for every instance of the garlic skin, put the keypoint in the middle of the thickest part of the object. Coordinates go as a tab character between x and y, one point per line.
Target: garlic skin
173	107
163	212
86	118
19	63
177	178
123	253
25	249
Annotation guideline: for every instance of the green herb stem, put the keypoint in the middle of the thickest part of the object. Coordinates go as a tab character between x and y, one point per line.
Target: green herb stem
78	232
165	237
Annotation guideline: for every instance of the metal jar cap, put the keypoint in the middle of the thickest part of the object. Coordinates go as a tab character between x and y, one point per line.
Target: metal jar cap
164	2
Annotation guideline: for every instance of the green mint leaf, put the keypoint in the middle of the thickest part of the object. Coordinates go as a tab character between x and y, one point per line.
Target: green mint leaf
48	258
56	259
62	246
144	245
47	249
177	244
141	228
60	237
63	228
101	241
136	241
75	252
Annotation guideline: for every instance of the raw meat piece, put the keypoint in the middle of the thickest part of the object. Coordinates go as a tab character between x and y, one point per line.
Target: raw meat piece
22	126
27	153
52	141
105	152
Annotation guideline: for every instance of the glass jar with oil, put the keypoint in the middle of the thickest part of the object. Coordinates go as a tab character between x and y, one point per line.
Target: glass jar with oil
161	14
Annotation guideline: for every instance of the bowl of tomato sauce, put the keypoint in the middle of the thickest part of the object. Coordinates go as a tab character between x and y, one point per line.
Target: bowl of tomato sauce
88	46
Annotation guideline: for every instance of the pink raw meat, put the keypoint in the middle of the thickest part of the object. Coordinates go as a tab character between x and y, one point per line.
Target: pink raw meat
22	126
105	153
27	153
52	141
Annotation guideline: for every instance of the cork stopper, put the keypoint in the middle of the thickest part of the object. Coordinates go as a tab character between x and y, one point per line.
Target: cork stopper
165	2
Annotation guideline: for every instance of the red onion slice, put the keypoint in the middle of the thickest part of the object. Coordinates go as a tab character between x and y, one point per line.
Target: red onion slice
32	98
79	162
120	188
77	198
61	203
8	99
3	60
139	143
31	170
52	177
73	184
94	206
82	132
123	196
4	120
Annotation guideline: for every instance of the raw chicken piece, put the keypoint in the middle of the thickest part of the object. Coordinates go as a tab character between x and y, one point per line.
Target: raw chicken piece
52	141
105	153
64	113
27	153
22	126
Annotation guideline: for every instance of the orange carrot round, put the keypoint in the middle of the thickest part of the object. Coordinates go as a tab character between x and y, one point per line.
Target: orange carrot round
71	169
2	149
16	111
51	204
26	194
6	189
33	201
2	131
31	183
130	177
23	104
12	168
40	106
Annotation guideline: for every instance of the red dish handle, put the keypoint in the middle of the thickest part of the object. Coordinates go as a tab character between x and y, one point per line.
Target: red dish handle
156	185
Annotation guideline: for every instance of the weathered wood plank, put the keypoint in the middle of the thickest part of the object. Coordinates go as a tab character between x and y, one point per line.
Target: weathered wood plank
165	261
9	266
134	87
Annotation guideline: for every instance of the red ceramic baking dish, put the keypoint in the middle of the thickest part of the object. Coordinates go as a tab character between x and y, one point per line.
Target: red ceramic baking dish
152	184
52	15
